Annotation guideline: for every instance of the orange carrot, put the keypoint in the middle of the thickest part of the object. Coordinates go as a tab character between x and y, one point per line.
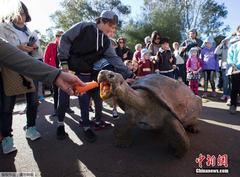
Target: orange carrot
89	85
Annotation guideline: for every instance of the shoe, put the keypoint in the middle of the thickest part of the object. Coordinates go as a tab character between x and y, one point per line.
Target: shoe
228	103
101	125
233	109
32	133
214	94
70	111
223	98
90	109
115	114
90	135
61	134
205	95
7	145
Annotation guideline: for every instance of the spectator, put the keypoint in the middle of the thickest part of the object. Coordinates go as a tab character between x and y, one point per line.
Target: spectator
122	50
155	44
194	67
180	70
145	65
50	58
191	41
147	41
222	50
17	33
210	65
233	60
165	61
137	53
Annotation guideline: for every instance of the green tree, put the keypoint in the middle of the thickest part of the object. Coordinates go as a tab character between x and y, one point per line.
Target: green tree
167	22
74	11
206	15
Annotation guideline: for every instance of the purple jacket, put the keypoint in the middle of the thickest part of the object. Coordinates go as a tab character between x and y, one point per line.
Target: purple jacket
209	59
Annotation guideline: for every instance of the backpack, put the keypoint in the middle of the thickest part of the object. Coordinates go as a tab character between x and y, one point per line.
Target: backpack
87	48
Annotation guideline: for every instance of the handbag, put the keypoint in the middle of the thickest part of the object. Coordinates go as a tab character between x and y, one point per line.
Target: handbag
16	84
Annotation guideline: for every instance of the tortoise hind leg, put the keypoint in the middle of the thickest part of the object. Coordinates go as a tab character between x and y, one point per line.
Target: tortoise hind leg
177	138
123	132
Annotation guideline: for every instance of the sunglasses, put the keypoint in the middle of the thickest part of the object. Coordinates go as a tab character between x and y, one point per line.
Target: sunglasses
121	42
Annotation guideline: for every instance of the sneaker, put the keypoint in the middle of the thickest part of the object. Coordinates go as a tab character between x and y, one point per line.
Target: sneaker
101	125
61	134
90	135
70	111
228	103
7	145
223	98
214	94
115	114
205	95
233	109
32	133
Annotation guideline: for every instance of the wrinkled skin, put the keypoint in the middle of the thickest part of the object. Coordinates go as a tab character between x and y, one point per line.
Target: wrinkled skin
148	110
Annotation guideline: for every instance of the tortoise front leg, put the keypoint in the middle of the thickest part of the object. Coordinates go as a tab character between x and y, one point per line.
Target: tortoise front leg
178	140
123	131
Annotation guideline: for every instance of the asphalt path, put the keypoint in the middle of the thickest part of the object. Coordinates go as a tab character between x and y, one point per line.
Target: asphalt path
219	136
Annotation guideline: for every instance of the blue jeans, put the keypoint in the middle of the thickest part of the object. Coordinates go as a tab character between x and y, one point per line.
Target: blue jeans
7	112
226	84
84	100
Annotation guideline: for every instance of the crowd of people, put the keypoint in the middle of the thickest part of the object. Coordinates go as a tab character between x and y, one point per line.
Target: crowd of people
88	47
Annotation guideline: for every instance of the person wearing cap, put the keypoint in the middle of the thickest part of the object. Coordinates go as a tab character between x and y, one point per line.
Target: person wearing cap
191	41
165	61
145	64
17	33
193	66
50	58
209	65
80	47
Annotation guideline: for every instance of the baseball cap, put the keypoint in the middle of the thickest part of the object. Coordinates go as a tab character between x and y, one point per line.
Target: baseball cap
107	14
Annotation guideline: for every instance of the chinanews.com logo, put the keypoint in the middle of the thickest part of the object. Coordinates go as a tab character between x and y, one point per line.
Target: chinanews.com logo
212	164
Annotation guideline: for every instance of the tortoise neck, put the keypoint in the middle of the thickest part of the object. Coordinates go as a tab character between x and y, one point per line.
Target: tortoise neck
130	97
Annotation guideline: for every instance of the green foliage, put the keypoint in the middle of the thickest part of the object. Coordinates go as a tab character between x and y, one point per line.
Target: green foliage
167	22
212	13
74	11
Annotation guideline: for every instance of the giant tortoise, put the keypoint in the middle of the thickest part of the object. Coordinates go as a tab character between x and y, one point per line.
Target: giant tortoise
156	101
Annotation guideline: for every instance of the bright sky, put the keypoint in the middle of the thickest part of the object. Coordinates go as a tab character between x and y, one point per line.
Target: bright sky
40	10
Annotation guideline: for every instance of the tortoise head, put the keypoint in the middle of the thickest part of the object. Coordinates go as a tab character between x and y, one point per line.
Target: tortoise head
109	83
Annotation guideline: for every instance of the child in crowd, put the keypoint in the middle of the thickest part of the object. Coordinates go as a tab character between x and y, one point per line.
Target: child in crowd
137	53
145	65
210	65
165	62
129	64
193	67
180	71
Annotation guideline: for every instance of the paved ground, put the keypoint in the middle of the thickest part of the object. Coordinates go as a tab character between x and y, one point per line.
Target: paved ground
148	157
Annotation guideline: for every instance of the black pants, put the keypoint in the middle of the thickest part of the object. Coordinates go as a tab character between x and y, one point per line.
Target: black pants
55	96
1	101
235	88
